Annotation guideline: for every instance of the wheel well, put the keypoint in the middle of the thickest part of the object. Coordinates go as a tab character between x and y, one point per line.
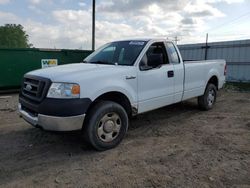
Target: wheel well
214	80
117	97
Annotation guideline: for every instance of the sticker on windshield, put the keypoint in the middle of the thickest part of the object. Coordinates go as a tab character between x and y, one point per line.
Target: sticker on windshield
139	43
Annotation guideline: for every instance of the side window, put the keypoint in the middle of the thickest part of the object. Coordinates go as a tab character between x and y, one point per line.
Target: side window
154	57
173	53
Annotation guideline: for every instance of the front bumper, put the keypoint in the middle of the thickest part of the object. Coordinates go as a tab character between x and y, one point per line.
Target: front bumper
53	123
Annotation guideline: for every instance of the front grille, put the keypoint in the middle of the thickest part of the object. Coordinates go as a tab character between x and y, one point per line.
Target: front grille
35	88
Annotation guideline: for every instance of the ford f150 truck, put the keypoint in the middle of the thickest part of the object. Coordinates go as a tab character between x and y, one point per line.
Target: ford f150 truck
119	80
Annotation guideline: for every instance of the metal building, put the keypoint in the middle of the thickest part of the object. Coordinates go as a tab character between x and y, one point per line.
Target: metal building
236	54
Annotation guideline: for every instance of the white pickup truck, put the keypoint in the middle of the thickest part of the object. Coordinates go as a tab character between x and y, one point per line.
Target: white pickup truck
119	80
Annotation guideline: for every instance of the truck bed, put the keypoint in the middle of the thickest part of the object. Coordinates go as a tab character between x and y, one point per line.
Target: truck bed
197	74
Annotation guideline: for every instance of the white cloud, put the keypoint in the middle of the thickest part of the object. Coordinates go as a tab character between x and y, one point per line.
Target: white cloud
141	19
82	4
120	20
225	1
74	18
135	6
35	9
35	1
200	9
6	17
70	29
39	2
57	36
2	2
160	17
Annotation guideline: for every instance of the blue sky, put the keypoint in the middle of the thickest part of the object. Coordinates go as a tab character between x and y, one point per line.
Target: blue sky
67	23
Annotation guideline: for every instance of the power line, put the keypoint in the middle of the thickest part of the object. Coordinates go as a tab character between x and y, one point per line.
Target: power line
230	22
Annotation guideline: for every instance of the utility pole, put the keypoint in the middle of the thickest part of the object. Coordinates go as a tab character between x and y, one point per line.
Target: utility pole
93	25
176	39
206	48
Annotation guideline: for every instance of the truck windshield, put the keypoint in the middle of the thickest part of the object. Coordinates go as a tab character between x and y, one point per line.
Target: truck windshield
117	53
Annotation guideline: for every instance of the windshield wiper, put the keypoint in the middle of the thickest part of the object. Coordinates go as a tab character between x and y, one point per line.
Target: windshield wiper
102	62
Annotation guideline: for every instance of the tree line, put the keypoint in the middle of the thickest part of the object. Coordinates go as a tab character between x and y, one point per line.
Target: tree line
14	36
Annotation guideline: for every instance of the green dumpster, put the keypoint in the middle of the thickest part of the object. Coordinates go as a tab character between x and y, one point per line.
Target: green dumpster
15	63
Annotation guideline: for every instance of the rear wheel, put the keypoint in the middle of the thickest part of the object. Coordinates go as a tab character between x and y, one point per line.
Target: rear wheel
207	101
106	125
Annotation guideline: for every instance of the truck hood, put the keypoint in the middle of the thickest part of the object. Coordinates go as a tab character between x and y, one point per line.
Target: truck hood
72	72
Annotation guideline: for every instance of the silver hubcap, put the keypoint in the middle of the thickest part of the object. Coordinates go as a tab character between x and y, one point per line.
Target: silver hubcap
211	97
109	127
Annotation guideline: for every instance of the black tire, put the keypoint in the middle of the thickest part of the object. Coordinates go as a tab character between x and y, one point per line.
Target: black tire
207	101
103	117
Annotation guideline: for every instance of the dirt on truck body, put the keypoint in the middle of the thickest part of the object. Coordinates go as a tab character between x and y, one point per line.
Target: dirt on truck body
175	146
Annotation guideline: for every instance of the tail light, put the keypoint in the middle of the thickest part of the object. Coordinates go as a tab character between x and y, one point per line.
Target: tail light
225	70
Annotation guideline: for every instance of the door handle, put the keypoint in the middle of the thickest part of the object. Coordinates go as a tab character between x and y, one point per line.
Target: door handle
130	77
171	74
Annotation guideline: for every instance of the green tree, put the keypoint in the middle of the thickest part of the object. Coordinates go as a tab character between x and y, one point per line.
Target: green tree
14	36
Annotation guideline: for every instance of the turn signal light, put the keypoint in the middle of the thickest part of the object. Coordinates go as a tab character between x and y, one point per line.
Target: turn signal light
75	89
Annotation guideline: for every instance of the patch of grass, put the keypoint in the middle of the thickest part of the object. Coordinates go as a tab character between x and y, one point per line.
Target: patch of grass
238	86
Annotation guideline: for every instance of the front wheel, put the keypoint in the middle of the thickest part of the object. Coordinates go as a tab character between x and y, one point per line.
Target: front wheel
106	125
207	101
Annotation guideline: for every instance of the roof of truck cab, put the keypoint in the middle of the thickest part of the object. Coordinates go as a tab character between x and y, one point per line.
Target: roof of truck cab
143	39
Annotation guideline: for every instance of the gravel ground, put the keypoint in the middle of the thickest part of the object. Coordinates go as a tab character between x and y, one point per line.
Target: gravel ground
175	146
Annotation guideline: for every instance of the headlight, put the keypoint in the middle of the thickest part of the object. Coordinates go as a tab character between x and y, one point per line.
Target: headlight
64	91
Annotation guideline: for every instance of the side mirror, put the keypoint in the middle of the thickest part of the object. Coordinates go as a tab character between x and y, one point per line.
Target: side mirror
154	60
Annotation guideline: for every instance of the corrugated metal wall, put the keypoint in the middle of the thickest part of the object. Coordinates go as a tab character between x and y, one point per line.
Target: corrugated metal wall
236	54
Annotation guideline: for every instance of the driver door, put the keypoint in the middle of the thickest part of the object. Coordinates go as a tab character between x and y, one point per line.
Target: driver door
155	79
